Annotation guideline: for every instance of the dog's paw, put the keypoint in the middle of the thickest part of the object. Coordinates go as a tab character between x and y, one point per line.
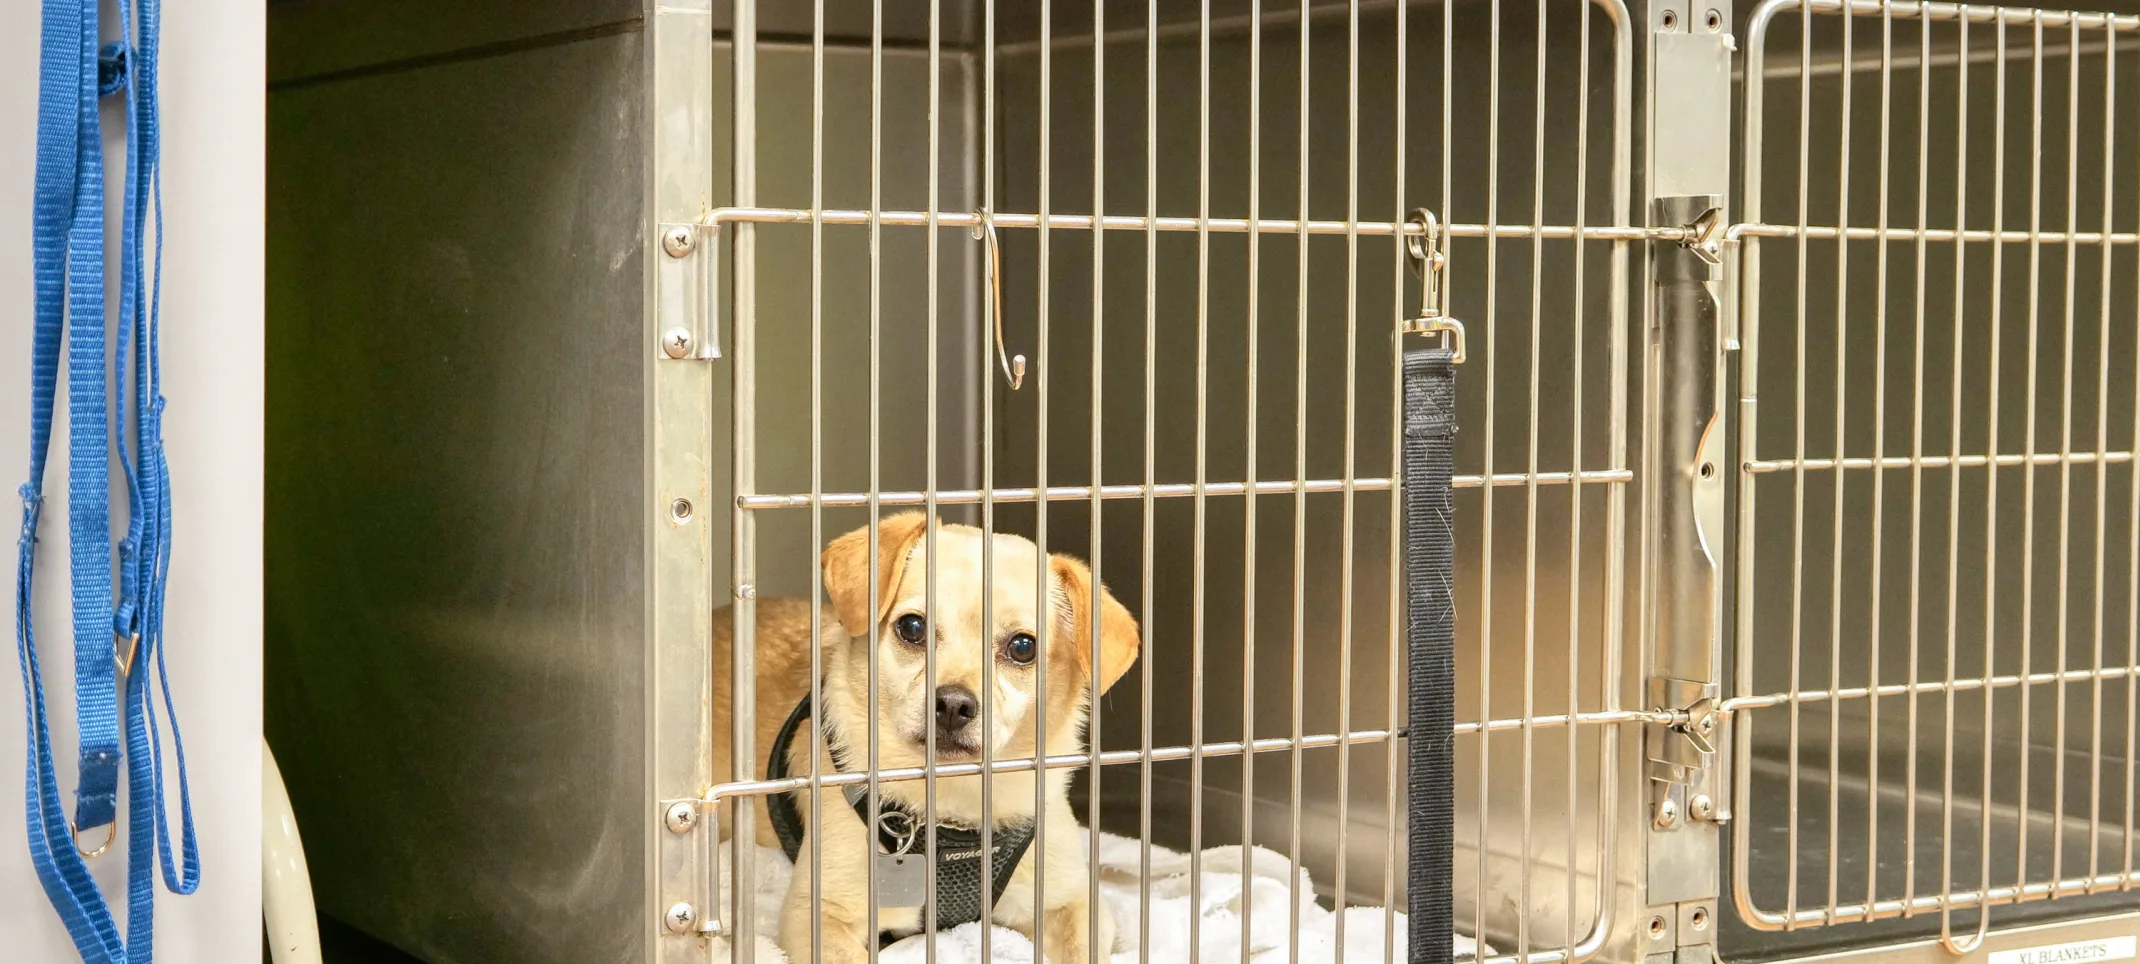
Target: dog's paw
838	940
1076	933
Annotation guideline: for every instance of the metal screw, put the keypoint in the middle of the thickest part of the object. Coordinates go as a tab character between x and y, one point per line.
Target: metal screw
676	342
678	242
1701	807
680	510
680	918
1667	814
682	816
1707	725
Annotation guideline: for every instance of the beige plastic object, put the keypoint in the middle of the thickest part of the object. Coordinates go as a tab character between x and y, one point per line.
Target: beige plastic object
293	928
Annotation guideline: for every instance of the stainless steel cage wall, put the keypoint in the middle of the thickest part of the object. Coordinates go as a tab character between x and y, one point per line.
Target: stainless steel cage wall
1798	547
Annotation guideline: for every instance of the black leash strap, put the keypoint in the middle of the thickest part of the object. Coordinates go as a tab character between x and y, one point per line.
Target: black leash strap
1430	633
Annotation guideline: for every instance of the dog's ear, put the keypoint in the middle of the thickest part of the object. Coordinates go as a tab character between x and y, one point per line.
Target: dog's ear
846	562
1118	635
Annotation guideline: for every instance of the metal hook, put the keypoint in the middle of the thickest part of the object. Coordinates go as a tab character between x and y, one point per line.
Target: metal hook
1959	948
1427	262
1421	246
1013	365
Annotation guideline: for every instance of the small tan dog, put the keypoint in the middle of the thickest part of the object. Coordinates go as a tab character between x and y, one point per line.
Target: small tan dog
898	633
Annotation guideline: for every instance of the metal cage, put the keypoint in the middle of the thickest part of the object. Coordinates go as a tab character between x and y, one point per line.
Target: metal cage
1236	296
1799	541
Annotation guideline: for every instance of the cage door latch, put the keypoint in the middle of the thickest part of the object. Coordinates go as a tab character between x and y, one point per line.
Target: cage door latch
1697	723
1421	240
1701	237
1684	734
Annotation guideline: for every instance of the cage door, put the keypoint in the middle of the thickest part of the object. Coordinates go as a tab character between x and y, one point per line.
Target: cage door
1932	707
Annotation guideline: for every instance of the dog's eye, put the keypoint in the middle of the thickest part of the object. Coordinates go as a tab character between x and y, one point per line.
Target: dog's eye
1021	648
911	628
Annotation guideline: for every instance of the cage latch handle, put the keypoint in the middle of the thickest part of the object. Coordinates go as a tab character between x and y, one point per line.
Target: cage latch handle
1421	240
1700	236
1698	723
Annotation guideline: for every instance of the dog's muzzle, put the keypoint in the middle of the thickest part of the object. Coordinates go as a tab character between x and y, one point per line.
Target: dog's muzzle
958	713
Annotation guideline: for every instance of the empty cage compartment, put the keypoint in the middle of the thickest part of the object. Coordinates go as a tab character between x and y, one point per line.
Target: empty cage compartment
1936	557
463	603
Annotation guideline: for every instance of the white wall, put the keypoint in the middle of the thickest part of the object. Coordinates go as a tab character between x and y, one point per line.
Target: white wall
213	77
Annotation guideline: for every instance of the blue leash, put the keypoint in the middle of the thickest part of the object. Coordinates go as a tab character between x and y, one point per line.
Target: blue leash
68	255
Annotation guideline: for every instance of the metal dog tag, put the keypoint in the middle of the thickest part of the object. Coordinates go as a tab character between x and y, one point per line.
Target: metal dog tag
902	880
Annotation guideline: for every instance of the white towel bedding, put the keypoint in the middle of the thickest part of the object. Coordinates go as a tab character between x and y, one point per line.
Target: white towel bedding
1227	886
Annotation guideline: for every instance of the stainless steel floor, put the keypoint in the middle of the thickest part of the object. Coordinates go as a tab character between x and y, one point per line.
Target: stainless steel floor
1876	838
343	944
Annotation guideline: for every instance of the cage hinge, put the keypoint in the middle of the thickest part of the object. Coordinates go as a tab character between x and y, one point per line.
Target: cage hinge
689	835
1681	933
1422	241
687	279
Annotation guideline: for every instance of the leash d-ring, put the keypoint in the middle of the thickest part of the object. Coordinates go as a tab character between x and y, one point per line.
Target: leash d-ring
111	833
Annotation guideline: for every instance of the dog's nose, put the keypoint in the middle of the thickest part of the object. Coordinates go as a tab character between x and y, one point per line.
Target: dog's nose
956	706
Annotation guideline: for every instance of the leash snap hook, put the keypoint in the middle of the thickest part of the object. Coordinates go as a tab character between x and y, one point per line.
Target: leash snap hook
1421	233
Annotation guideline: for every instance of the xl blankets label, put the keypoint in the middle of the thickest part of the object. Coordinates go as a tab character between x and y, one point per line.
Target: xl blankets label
2079	952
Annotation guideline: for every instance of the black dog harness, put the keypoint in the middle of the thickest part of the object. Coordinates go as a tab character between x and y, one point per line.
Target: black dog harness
902	836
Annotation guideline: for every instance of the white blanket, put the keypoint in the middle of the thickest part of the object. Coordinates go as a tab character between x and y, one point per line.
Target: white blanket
1227	887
